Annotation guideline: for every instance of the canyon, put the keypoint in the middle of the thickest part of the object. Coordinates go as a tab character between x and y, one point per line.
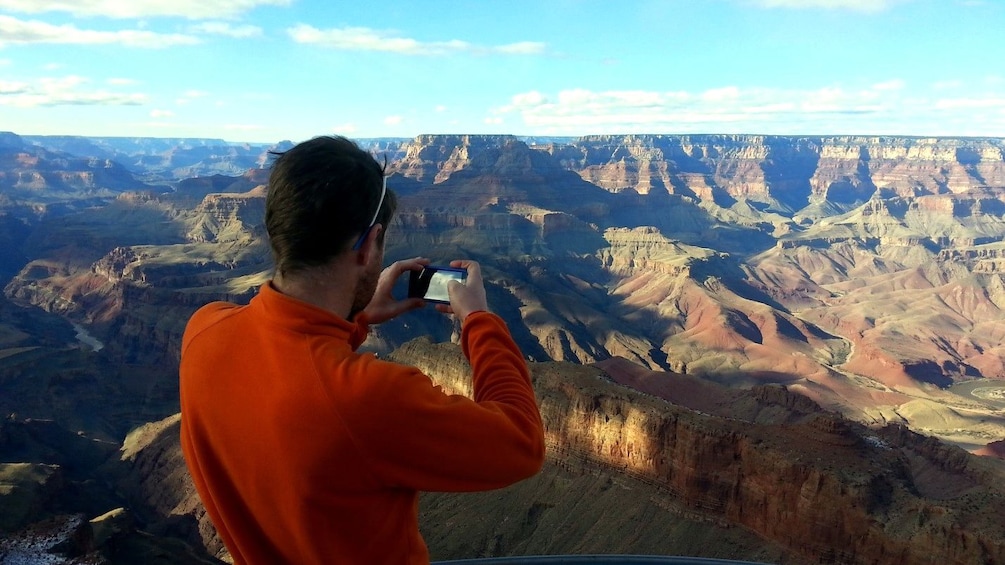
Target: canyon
638	462
704	315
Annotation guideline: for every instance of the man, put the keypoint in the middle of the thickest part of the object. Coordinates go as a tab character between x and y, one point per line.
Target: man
304	451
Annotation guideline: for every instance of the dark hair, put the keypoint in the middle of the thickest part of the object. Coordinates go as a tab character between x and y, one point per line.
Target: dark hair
322	195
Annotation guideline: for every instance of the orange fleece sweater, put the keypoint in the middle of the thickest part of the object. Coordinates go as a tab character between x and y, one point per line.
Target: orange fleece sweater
304	451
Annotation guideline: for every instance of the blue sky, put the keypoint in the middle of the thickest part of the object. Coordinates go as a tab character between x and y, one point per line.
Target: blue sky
268	70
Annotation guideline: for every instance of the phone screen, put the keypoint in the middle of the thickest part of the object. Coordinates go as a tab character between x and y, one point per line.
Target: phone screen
431	282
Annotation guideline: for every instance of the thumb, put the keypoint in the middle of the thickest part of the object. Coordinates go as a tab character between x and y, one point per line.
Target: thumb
412	304
452	288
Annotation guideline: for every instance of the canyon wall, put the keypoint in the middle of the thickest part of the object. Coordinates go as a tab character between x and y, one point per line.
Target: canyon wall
787	169
864	272
766	473
823	487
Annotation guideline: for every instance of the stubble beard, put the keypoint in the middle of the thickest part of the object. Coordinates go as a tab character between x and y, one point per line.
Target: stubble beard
365	289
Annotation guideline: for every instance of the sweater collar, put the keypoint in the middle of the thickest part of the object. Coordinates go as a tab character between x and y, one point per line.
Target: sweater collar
299	316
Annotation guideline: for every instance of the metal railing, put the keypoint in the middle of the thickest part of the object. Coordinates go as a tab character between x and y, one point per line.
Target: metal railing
596	560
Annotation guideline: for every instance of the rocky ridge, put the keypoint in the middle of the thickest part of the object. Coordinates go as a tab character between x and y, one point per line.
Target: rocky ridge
865	277
788	170
775	476
34	175
823	487
809	225
167	159
744	259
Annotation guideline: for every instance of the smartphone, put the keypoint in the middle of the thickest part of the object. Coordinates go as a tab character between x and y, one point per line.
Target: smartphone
431	282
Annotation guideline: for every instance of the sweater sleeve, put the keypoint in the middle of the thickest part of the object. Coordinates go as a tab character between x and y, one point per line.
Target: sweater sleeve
360	331
418	437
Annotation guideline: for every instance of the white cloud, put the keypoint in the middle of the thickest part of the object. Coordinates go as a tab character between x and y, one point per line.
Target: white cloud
161	114
601	101
971	103
366	39
393	120
11	87
191	9
866	6
521	48
440	109
721	94
15	31
732	109
227	29
70	90
121	81
345	129
189	96
532	98
769	108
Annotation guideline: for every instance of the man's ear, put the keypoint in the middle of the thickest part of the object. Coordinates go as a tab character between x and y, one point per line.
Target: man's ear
371	245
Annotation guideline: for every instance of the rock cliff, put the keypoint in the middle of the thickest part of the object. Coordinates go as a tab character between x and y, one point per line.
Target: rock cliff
863	272
792	171
33	174
824	488
167	158
818	277
762	474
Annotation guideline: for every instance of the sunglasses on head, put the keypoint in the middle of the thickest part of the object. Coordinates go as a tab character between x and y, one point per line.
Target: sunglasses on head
366	232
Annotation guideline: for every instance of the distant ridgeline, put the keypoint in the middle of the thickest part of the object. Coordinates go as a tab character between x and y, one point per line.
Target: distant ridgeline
862	273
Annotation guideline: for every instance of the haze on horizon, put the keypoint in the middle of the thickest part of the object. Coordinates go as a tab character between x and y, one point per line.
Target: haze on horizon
268	70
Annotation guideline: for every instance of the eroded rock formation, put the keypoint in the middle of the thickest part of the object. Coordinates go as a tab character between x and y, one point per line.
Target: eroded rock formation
862	271
762	474
821	486
862	274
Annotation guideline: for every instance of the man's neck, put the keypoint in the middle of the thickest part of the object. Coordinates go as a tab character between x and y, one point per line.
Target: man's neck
326	287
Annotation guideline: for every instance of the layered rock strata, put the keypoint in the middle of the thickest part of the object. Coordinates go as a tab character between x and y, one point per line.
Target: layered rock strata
863	272
824	488
762	474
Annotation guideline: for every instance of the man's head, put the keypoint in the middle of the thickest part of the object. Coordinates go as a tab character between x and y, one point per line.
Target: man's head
323	195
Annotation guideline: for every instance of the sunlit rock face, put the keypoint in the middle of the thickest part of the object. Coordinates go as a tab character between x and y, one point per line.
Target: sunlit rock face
790	170
799	483
815	483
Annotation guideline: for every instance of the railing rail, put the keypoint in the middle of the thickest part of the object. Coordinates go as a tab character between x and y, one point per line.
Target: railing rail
596	560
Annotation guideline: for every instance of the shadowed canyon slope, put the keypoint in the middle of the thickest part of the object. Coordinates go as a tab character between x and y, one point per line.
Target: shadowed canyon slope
862	273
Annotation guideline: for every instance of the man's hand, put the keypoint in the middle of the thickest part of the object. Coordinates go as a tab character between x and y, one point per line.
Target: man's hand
466	298
383	306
